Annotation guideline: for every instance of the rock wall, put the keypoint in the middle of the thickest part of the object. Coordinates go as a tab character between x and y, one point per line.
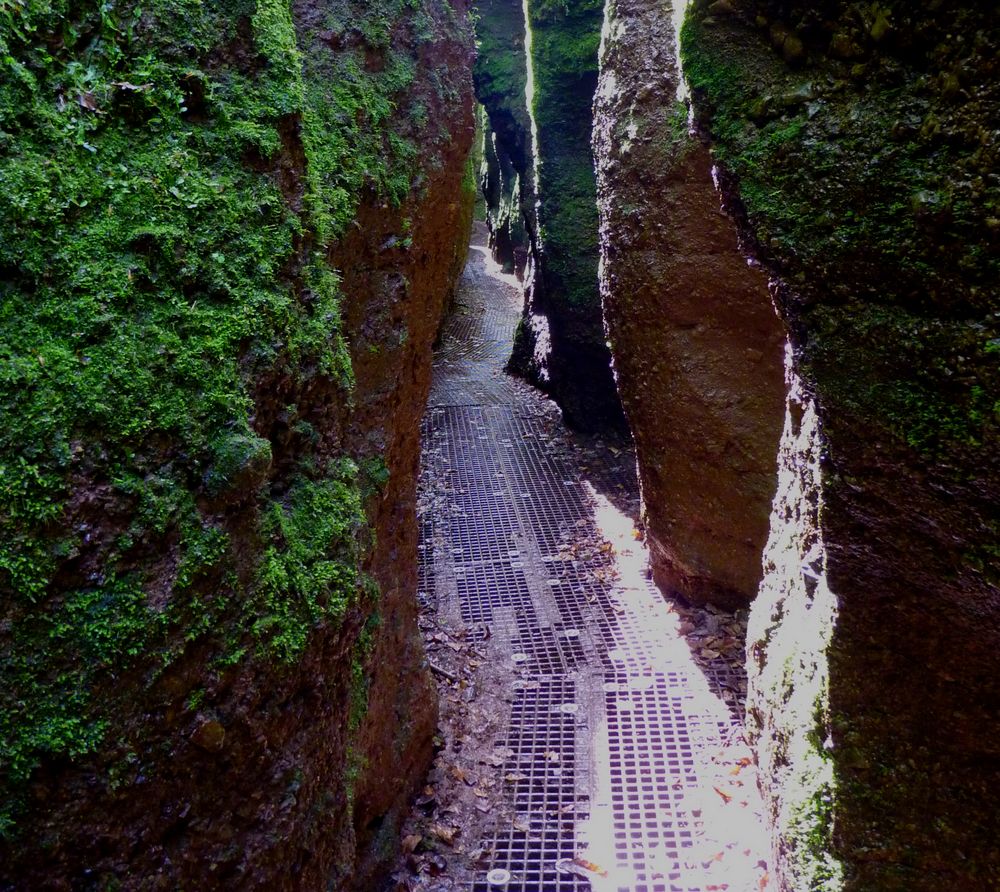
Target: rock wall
227	240
501	76
697	345
857	146
564	326
536	80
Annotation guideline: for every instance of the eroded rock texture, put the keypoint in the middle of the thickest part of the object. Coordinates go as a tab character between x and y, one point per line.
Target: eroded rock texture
228	236
696	341
858	145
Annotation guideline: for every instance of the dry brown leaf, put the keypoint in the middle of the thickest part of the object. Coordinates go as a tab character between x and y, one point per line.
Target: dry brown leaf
590	866
725	796
444	833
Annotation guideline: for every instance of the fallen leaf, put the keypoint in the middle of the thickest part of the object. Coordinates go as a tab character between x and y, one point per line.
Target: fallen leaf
444	833
411	842
87	101
725	796
589	865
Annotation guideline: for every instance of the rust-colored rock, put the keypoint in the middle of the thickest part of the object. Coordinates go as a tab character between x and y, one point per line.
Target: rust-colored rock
696	342
209	736
222	761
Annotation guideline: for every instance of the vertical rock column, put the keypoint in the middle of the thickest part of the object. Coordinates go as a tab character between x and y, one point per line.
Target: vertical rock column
697	344
501	76
562	345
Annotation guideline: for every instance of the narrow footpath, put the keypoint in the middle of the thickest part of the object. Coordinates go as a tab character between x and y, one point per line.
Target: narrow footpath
590	729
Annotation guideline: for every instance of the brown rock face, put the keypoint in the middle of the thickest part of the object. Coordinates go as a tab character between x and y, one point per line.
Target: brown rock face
400	295
220	762
697	344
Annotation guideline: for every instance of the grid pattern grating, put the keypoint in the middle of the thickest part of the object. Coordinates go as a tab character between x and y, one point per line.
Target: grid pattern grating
483	588
540	768
504	513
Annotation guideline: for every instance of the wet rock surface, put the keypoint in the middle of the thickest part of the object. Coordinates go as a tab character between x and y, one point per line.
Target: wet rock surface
696	341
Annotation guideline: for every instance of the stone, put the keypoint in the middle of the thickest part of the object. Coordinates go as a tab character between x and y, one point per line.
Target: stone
696	342
209	735
874	644
561	346
293	716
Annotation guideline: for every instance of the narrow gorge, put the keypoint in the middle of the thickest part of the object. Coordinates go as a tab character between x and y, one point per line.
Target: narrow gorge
527	445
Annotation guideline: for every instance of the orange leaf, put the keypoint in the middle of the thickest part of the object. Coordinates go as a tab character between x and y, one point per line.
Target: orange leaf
590	866
725	796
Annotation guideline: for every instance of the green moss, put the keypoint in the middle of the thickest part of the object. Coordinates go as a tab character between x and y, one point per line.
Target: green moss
50	666
861	187
157	260
864	210
309	570
500	69
565	38
501	77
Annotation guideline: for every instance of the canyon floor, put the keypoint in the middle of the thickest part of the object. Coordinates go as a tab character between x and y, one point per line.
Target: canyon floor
591	727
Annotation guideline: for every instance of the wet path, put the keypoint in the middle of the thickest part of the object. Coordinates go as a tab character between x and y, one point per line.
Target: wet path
590	730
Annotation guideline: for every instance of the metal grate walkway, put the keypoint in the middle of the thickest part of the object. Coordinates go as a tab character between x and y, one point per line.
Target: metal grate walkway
605	750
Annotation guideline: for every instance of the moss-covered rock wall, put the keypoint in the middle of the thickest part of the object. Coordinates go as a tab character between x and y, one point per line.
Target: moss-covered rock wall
564	344
228	232
536	78
857	143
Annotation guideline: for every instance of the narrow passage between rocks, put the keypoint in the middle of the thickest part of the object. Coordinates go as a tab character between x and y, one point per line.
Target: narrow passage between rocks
590	729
